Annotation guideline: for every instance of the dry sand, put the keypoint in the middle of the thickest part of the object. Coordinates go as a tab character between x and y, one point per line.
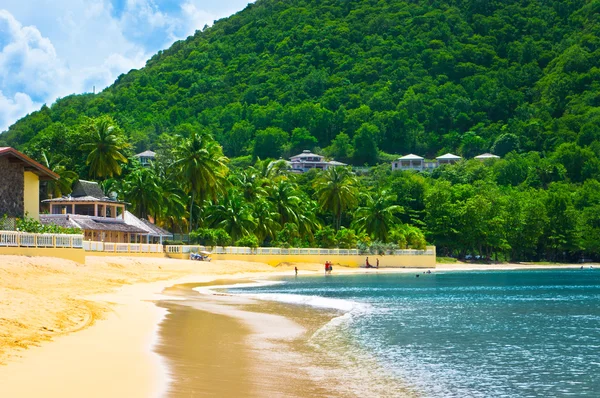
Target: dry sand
47	299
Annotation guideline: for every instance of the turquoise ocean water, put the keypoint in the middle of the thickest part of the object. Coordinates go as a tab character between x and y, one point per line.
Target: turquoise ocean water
459	334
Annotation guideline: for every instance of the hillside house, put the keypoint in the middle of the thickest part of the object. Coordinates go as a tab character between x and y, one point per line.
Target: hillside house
306	160
146	158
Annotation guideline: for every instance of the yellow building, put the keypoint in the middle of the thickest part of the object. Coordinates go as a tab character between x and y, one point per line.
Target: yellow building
20	184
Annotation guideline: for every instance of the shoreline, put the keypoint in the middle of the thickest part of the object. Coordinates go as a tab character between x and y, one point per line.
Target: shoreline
99	358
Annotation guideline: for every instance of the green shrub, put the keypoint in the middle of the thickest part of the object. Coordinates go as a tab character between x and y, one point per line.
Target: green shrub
28	224
210	237
325	238
248	241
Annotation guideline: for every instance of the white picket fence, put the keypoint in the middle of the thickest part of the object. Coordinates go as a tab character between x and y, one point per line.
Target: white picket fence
110	247
186	249
23	239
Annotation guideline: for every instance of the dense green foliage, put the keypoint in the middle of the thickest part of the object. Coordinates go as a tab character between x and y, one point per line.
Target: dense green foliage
356	76
357	81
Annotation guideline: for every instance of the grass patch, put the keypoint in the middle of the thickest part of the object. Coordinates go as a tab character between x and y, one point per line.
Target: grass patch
445	260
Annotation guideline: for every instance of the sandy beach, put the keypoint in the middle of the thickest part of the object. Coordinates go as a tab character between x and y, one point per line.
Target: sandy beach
89	330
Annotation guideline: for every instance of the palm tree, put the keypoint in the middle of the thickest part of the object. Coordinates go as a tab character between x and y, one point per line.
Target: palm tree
201	165
377	217
62	186
268	220
143	192
336	191
104	144
172	210
250	184
233	215
284	196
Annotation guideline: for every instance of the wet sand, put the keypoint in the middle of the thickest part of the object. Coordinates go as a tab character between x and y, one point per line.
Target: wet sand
224	345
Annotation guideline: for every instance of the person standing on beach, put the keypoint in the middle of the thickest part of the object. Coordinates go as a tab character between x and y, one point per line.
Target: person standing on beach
367	263
296	269
377	263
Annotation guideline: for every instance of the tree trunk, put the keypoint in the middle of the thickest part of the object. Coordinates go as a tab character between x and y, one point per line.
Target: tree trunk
191	214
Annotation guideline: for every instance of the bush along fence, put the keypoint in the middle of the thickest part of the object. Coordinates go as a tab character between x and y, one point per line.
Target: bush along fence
186	249
31	240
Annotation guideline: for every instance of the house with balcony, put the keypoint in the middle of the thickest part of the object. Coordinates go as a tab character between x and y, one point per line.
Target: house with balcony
146	158
101	218
20	178
307	160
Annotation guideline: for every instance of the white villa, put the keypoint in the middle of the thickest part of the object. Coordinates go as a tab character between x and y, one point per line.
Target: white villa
306	160
418	163
486	156
146	157
447	159
413	162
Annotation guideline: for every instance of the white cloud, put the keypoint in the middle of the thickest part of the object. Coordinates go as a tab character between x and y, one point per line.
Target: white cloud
50	49
14	108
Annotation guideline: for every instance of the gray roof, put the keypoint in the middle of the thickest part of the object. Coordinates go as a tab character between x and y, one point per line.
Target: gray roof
90	199
487	156
94	225
146	225
336	163
306	153
411	157
85	191
449	156
146	154
87	188
158	231
89	223
62	221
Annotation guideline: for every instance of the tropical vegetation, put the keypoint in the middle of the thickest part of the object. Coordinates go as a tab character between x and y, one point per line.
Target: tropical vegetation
361	82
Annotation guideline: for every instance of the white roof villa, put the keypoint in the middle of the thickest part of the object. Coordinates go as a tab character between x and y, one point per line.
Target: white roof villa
146	157
307	160
418	163
448	159
486	156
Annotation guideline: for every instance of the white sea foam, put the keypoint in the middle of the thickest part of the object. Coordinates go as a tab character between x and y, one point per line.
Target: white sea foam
312	301
210	290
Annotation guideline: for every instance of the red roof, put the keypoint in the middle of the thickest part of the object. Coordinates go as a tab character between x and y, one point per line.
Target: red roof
30	165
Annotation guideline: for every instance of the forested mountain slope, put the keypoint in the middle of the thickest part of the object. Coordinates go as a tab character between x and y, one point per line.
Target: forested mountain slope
416	76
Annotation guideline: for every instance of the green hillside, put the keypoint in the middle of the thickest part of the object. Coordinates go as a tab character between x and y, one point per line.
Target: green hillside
399	76
357	81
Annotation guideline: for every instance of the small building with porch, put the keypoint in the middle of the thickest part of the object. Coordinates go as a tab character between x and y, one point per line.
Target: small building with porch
447	159
146	158
101	218
409	162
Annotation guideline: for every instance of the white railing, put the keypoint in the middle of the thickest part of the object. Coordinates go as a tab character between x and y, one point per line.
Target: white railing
23	239
186	249
122	248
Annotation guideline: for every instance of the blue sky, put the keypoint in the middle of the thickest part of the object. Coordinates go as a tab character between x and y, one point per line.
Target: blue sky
53	48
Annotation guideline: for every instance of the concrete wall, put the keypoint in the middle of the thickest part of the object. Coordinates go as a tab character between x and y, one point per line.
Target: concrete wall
350	261
32	195
77	255
11	188
111	254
